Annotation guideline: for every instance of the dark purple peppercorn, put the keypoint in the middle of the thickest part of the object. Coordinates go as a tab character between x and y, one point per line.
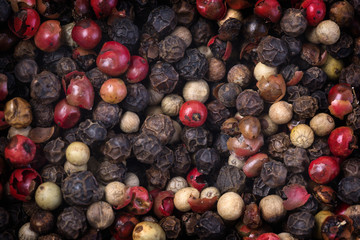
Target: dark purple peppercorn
217	114
230	29
137	98
342	48
207	160
296	159
182	161
54	151
193	65
249	103
278	144
163	77
201	31
210	226
45	87
25	70
157	178
64	66
272	51
305	106
108	114
172	49
96	77
172	227
161	21
124	31
273	174
349	190
231	179
228	93
314	78
146	147
109	172
301	224
165	159
159	125
71	223
195	138
351	75
91	131
53	173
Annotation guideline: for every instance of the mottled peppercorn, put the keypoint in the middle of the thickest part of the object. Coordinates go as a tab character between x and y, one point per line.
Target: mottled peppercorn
159	125
207	160
228	93
163	77
53	173
342	48
296	159
25	70
172	49
230	29
108	114
146	147
64	66
71	223
54	151
189	221
91	131
294	92
182	161
349	190
137	98
314	78
278	144
305	106
210	226
273	174
124	31
149	47
249	103
193	65
201	31
301	224
171	226
45	87
185	12
157	178
161	21
231	179
109	172
195	138
272	51
217	114
351	75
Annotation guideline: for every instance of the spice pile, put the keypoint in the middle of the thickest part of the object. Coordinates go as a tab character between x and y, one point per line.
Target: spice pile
181	119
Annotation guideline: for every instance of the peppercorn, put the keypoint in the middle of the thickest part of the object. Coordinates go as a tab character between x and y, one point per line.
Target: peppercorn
100	215
322	124
42	222
350	75
184	34
181	198
201	31
272	208
137	98
156	177
281	112
296	159
294	45
109	172
25	232
18	113
305	106
230	206
165	159
273	88
301	224
268	127
161	21
171	226
196	90
124	31
148	230
189	221
185	12
339	226
54	151
348	190
278	144
25	70
117	149
319	148
96	77
229	29
217	114
293	23
302	136
182	161
342	13
149	47
296	91
108	114
205	227
328	32
172	49
195	138
48	196
25	49
146	147
311	54
230	178
91	131
193	65
65	65
254	28
272	51
350	167
43	114
314	78
71	222
53	173
249	103
273	174
239	74
228	93
342	48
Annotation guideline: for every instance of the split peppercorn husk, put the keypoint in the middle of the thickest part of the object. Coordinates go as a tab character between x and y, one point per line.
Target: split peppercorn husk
268	68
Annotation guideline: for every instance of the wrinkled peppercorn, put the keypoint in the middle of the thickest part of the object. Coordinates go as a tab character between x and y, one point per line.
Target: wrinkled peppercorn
351	75
273	174
220	145
252	217
230	179
157	178
230	29
163	77
351	167
124	31
171	226
146	147
195	138
288	72
249	103
296	91
189	221
228	93
321	98
293	23
108	114
349	190
54	151
53	173
296	159
137	98
314	78
218	48
305	106
193	65
172	49
64	66
45	87
294	45
109	172
185	12
149	47
311	205
117	149
159	125
301	224
217	114
42	221
71	223
161	21
278	144
81	188
96	77
43	114
210	226
26	70
207	160
254	28
353	119
91	131
182	161
201	31
312	54
342	48
165	159
319	148
272	51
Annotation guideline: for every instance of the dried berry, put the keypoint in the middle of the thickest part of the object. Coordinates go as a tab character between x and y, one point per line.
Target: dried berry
348	190
157	178
124	31
296	159
71	223
54	151
230	29
351	75
182	161
249	103
240	74
159	125
342	48
108	172
195	138
293	23
96	77
351	167
305	106
137	98
296	91
273	174
149	47
43	114
18	113
319	148
117	149
272	51
171	226
193	65
314	78
81	189
228	93
25	70
172	49
108	114
207	160
146	147
201	31
53	173
161	21
301	224
65	65
42	221
278	144
91	131
294	45
230	178
210	226
342	12
217	114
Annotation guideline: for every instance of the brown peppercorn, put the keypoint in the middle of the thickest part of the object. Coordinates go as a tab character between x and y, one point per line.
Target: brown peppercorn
109	172
272	51
91	131
217	70
185	12
278	144
54	151
193	65
117	149
351	75
183	33
43	114
182	161
25	49
351	167
96	77
196	138
172	49
268	127
305	106
100	215
157	178
312	54
201	31
254	28
18	113
108	114
71	223
231	127
217	114
301	224
239	74
25	70
171	226
189	221
293	23
64	66
159	125
149	47
45	87
319	148
273	88
230	29
249	103
342	48
228	93
296	159
42	222
250	127
146	147
342	12
137	98
252	217
161	21
230	178
53	173
273	173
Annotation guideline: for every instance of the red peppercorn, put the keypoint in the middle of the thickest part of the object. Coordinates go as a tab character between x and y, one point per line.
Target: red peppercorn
244	147
113	90
141	201
23	183
239	4
324	169
315	11
211	9
48	37
270	10
113	59
342	141
193	113
137	70
66	115
25	23
268	236
86	33
340	98
195	179
103	8
164	204
20	150
201	205
123	226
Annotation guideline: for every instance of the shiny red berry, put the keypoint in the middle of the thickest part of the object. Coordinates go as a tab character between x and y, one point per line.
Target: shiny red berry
193	113
196	179
113	59
48	37
211	9
324	169
340	98
25	23
123	226
342	141
103	8
315	11
269	10
244	147
268	236
141	201
23	183
164	204
20	151
66	115
137	70
86	33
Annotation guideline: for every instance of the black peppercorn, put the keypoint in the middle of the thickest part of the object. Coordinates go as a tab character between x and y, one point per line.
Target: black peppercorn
165	159
195	138
193	65
272	51
53	173
230	179
219	48
296	91
254	28
310	206
45	87
159	125
117	149
4	218
207	160
108	114
353	119
146	147
273	174
26	70
109	172
314	78
50	59
230	29
25	49
85	59
43	114
351	75
293	23
172	49
5	10
137	98
189	221
288	72
182	161
220	144
217	114
81	188
296	159
321	98
319	148
298	179
171	226
342	48
312	54
351	167
228	93
70	135
201	31
210	226
249	103
71	223
294	45
96	77
301	224
64	66
157	178
278	144
54	151
91	131
349	190
124	31
161	21
42	222
163	77
185	12
305	106
149	47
